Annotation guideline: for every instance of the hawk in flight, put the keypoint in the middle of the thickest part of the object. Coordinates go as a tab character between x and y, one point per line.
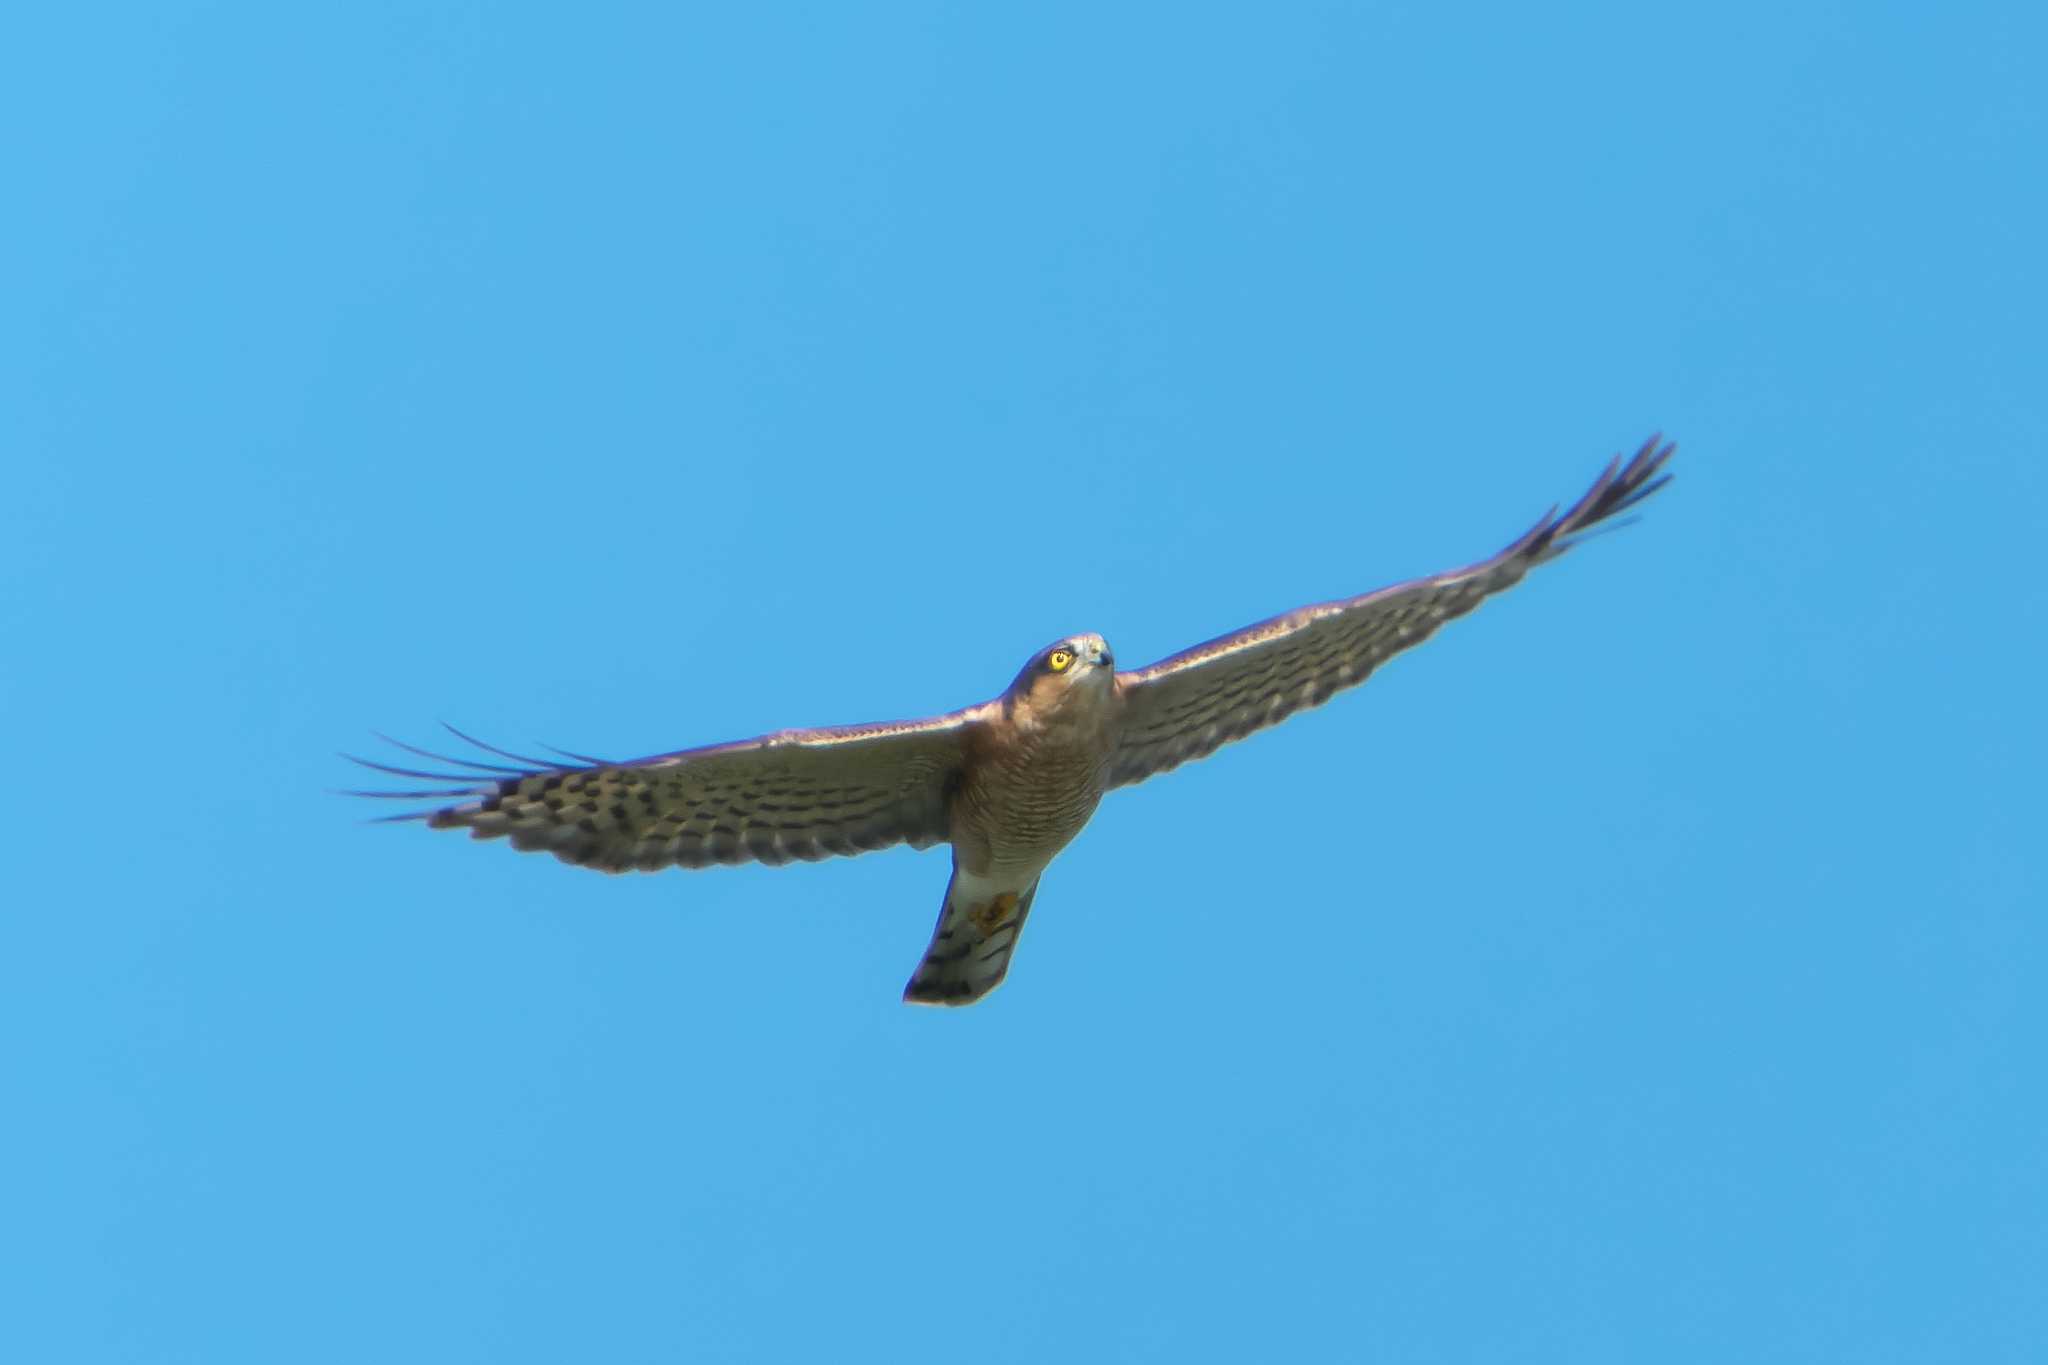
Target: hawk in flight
1009	782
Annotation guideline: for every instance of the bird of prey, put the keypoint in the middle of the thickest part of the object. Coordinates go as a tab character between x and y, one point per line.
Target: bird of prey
1009	782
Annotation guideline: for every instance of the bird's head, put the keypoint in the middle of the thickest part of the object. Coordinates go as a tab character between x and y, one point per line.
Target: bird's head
1064	672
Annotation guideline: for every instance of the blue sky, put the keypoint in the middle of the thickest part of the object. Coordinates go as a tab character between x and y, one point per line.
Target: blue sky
1647	969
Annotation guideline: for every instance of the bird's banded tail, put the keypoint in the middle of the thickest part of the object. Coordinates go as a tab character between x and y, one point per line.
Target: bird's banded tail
970	949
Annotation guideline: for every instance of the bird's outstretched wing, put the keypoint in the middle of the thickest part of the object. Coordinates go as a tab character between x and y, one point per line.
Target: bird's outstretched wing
1184	707
795	794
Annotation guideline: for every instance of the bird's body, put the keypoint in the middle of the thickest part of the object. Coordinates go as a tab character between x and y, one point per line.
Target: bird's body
1036	778
1007	783
1043	770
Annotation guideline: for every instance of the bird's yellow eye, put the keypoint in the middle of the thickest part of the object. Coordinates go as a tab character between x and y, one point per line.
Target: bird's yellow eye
1058	660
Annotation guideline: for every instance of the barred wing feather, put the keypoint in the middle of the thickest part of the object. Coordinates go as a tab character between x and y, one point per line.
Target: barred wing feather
1187	706
805	794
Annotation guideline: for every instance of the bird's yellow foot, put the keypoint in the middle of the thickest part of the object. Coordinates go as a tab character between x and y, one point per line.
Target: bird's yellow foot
992	916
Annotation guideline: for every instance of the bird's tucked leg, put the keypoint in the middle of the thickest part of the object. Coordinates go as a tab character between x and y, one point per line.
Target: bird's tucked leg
970	949
995	914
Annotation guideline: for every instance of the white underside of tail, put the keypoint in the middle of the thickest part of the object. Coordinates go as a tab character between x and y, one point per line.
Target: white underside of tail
970	949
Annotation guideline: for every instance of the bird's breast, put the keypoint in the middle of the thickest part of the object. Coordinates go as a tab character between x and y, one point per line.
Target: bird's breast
1028	797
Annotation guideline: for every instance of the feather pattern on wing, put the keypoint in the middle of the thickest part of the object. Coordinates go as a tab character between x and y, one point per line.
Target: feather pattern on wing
804	794
1186	706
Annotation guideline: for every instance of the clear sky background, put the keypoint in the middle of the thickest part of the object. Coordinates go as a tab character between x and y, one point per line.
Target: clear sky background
1648	969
